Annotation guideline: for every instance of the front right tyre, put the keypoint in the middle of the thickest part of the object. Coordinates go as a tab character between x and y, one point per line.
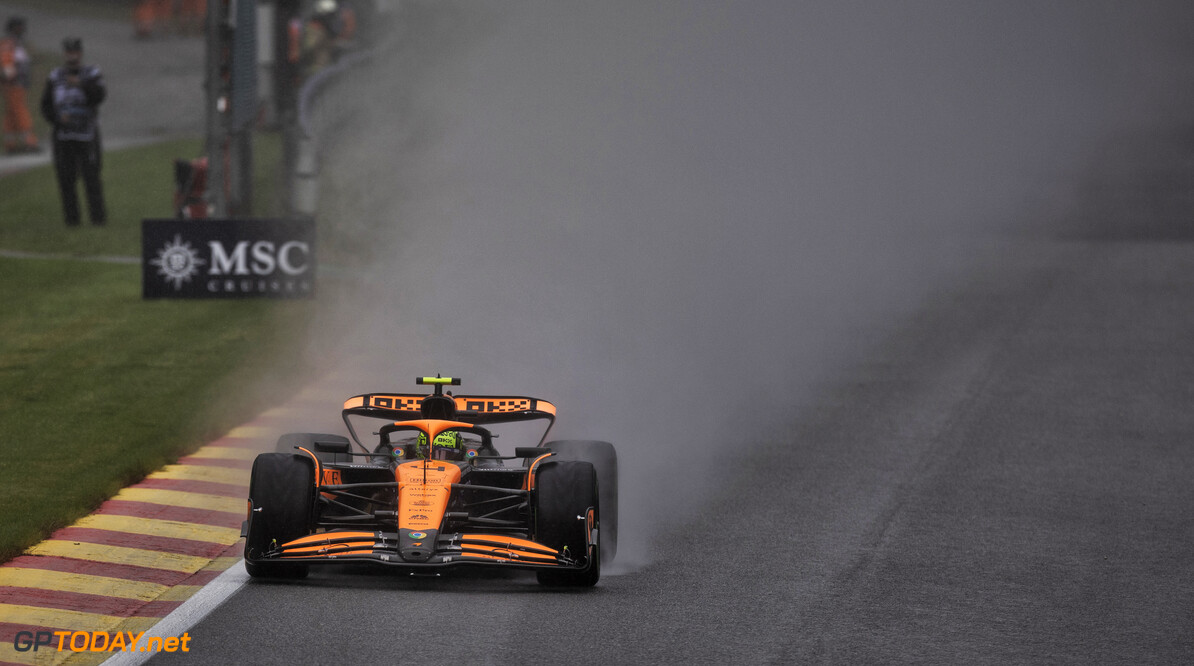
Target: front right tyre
282	505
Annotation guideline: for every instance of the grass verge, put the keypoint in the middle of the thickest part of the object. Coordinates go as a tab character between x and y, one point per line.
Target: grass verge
98	387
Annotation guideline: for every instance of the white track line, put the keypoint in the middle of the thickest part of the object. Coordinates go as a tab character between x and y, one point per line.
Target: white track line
18	254
188	614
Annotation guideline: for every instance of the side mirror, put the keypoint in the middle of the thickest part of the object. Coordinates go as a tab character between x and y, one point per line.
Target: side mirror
530	451
332	447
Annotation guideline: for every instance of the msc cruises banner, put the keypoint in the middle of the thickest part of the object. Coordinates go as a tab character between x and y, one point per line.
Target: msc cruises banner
227	259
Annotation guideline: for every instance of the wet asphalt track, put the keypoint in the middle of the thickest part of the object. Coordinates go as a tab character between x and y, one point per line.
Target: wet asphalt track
1008	480
1002	476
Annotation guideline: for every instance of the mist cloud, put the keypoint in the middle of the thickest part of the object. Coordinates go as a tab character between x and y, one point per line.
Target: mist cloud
665	216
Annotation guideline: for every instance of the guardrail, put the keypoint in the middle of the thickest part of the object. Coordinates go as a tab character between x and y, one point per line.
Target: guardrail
315	111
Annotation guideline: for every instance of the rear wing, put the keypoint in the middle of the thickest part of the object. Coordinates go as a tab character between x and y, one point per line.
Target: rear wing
475	409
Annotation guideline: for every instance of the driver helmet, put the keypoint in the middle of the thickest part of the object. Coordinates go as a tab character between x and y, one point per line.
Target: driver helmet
447	446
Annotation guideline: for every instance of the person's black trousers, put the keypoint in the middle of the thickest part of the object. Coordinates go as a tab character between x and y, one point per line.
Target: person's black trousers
72	158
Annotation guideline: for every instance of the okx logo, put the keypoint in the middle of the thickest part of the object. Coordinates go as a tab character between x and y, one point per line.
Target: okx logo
227	259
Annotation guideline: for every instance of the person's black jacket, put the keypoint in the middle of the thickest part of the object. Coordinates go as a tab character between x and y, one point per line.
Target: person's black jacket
73	107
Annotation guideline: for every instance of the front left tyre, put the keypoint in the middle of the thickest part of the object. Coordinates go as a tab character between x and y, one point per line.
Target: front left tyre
605	461
566	508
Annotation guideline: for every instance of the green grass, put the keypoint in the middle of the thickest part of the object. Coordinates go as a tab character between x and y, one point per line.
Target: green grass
138	183
98	387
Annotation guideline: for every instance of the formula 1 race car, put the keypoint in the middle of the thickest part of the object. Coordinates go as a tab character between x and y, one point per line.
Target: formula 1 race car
431	491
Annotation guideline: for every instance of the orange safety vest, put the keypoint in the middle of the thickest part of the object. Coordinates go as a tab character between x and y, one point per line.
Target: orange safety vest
8	59
348	23
294	40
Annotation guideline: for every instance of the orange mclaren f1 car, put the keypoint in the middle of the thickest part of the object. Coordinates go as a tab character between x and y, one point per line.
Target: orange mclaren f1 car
430	490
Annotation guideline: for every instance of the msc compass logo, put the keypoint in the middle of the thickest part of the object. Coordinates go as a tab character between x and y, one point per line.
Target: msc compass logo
210	258
178	262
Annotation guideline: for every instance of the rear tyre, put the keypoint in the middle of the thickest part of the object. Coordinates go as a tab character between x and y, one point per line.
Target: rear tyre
605	460
290	443
282	503
566	492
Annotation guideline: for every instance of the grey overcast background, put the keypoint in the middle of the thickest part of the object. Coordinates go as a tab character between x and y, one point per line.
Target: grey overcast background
884	304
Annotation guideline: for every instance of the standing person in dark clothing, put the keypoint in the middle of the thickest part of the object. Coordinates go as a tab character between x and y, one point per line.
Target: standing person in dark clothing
71	104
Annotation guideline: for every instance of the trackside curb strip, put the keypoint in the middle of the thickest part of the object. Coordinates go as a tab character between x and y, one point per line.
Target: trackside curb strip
190	613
